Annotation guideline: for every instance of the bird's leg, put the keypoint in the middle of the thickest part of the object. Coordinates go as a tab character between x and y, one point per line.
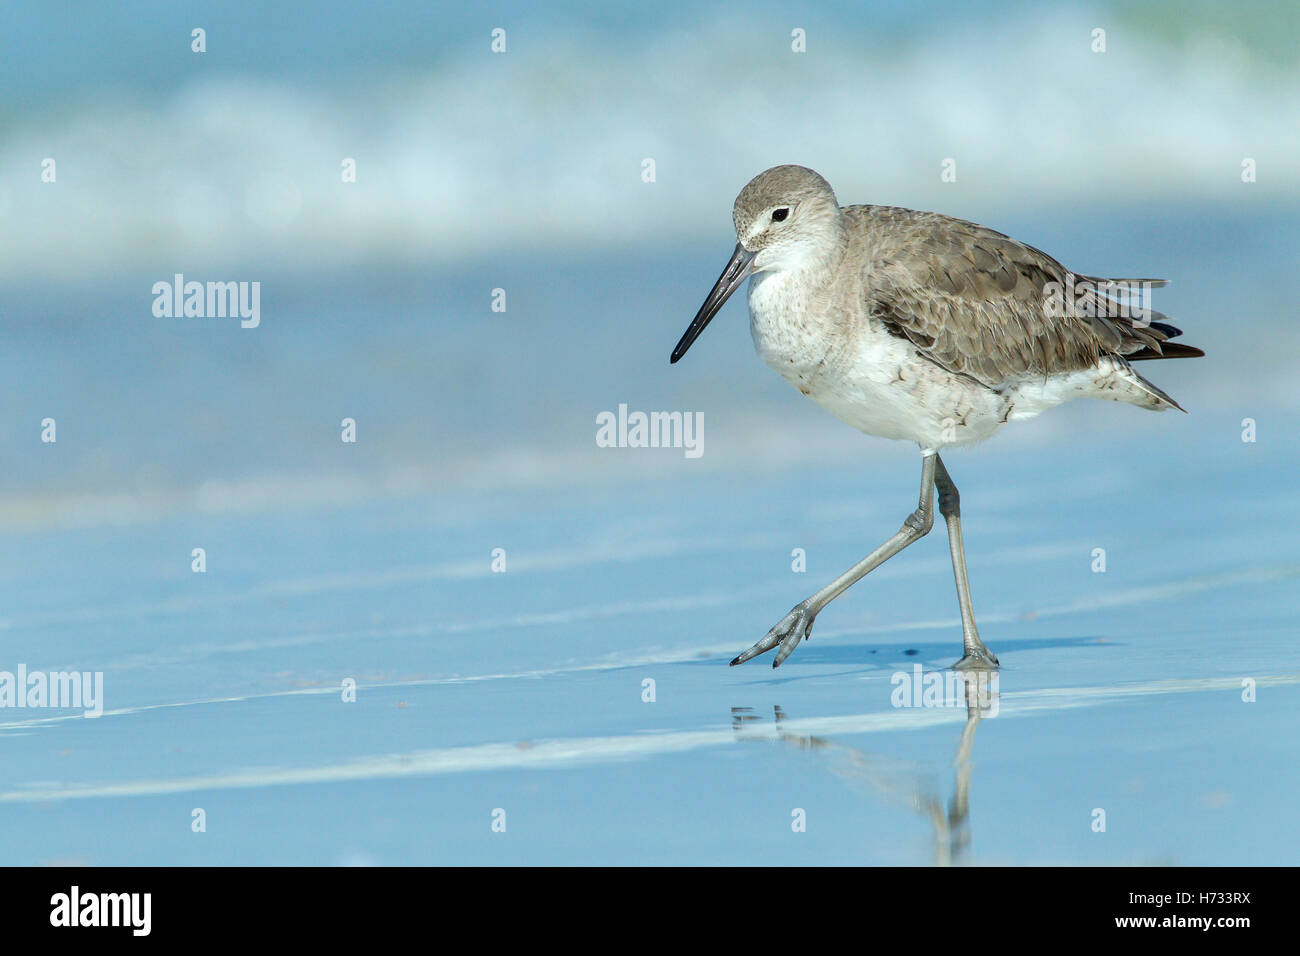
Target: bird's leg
976	655
794	627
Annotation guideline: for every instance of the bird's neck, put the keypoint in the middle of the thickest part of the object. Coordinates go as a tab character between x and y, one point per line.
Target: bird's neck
815	262
825	259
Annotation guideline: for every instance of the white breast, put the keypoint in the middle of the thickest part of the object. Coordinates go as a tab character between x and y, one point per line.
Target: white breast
784	335
867	378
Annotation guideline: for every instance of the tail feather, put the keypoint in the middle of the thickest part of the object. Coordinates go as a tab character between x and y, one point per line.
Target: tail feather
1141	340
1167	350
1147	339
1156	392
1100	281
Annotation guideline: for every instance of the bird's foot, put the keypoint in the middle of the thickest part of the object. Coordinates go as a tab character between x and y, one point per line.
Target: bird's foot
788	632
977	658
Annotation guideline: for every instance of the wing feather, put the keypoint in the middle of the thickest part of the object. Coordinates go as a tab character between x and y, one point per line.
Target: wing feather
979	303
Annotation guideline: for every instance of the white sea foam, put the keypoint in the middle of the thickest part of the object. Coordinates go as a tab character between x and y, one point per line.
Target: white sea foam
545	144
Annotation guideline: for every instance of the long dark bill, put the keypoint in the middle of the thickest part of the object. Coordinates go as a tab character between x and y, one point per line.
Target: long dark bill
737	271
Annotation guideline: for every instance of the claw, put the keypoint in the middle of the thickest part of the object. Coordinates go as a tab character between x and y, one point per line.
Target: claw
789	631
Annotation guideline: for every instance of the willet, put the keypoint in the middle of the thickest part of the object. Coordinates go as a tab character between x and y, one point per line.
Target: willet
917	326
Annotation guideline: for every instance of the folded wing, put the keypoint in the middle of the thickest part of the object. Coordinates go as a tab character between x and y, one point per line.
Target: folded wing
979	303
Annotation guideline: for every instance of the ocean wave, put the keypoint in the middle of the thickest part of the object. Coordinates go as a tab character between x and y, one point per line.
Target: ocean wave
544	145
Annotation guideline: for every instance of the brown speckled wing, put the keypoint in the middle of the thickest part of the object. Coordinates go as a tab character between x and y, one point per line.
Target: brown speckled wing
977	302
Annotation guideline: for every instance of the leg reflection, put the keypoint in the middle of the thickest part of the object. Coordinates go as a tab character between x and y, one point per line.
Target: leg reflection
897	781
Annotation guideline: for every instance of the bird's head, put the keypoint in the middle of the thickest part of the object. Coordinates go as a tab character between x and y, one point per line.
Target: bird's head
787	219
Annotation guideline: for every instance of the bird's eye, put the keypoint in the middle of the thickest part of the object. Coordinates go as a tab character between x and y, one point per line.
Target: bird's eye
778	215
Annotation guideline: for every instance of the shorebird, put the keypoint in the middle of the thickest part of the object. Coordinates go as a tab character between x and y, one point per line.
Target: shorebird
917	326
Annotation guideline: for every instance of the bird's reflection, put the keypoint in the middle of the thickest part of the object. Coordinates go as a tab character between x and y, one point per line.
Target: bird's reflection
900	782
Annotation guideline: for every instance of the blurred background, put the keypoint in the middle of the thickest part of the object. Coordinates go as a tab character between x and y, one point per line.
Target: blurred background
525	171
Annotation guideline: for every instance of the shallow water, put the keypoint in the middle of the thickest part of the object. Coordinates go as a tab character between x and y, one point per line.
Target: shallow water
1159	695
523	690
